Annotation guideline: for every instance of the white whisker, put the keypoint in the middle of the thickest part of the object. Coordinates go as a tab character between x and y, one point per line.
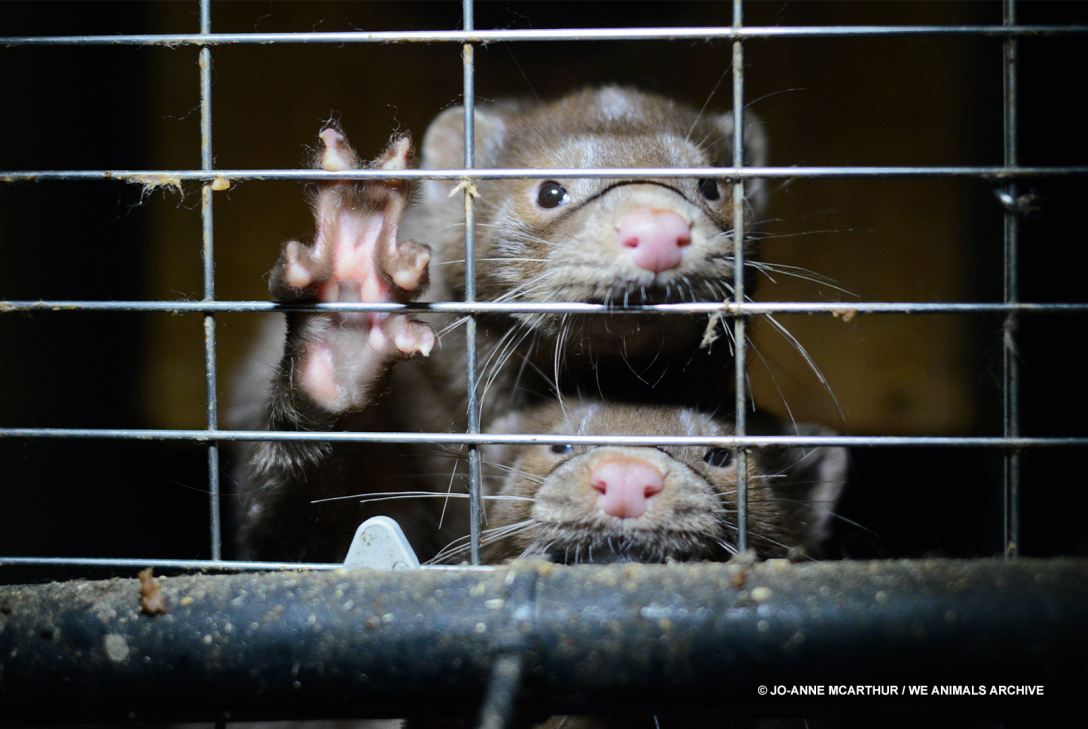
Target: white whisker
393	495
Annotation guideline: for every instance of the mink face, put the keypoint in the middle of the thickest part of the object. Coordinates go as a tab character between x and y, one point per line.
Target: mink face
574	504
570	239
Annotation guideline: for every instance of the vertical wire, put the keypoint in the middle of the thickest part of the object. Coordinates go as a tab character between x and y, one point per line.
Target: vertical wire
475	502
209	279
739	322
1011	379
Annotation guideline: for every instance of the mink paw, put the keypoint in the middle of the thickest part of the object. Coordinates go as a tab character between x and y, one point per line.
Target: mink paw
356	257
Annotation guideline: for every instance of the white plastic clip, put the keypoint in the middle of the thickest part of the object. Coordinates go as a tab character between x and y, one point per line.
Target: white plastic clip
380	544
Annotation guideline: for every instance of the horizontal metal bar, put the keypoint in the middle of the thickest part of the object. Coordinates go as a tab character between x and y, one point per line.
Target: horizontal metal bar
173	564
188	564
589	34
749	441
167	178
637	638
837	309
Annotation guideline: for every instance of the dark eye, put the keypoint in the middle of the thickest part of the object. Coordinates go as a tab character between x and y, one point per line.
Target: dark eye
551	195
709	189
718	457
561	449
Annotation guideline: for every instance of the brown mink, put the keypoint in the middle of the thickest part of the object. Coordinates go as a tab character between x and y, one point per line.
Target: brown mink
599	504
563	239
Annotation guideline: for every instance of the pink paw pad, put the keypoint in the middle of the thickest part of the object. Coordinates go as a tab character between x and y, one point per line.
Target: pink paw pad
318	378
409	277
297	273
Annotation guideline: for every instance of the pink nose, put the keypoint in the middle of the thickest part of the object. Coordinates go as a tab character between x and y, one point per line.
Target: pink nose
626	485
654	239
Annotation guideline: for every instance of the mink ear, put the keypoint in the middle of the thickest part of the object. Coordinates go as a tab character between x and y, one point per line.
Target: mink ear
497	457
444	143
814	478
755	155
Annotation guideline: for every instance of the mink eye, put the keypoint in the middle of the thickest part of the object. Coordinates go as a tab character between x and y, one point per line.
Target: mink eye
551	195
709	189
562	449
718	457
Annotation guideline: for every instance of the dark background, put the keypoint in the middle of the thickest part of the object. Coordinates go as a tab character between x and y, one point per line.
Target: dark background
825	101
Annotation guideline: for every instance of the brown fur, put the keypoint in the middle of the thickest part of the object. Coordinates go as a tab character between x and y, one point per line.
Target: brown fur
567	254
524	359
791	491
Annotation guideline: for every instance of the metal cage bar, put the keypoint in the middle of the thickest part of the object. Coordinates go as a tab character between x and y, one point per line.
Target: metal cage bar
474	470
844	171
480	307
740	335
208	231
1010	385
748	441
597	34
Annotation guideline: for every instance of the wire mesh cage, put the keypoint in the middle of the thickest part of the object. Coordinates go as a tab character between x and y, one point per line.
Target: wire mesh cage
921	157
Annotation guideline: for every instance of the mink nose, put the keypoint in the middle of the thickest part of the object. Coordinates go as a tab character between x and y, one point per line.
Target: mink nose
654	239
626	485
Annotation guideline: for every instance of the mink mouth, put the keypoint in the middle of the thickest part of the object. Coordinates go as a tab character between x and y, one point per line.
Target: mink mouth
602	554
656	293
623	291
612	553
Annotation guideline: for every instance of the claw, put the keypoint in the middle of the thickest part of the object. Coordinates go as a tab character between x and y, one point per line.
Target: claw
426	343
297	274
396	157
336	156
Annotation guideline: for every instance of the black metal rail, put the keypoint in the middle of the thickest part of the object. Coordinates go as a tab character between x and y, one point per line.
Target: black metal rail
651	639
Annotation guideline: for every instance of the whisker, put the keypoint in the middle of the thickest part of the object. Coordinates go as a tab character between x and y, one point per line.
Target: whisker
812	365
488	536
393	495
